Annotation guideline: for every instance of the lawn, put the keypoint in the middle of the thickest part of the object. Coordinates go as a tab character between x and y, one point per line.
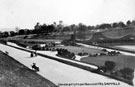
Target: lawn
77	49
121	60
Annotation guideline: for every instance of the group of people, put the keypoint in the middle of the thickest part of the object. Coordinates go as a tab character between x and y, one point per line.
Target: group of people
34	67
33	54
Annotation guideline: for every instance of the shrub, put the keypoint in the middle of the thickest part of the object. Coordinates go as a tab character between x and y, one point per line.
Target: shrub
21	44
127	73
110	65
68	43
83	54
104	50
65	53
3	41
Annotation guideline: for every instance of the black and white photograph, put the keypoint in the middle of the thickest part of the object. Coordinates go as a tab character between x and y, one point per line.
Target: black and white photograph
67	43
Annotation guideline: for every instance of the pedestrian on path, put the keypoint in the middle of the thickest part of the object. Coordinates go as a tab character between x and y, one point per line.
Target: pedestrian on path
31	55
35	53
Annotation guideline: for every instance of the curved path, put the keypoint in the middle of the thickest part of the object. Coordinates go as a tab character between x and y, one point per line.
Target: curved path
109	49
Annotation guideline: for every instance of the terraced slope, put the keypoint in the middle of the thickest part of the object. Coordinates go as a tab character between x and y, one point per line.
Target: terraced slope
113	36
118	33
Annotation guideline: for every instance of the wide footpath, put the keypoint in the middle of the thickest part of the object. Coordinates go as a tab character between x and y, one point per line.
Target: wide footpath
62	74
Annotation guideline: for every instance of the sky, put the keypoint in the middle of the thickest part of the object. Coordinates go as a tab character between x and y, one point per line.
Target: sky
26	13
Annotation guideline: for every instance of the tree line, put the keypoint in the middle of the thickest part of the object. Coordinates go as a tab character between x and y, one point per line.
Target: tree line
54	28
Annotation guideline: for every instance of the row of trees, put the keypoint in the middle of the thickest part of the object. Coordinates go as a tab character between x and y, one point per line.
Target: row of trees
116	24
48	29
42	29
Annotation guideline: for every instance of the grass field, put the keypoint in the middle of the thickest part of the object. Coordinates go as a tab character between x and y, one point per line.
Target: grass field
77	50
121	60
14	74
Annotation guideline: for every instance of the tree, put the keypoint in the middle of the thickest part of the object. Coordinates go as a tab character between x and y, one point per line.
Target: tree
114	25
72	37
50	28
110	65
128	22
73	27
27	31
5	34
43	29
121	24
104	26
81	31
90	27
12	33
133	22
66	29
21	32
37	26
